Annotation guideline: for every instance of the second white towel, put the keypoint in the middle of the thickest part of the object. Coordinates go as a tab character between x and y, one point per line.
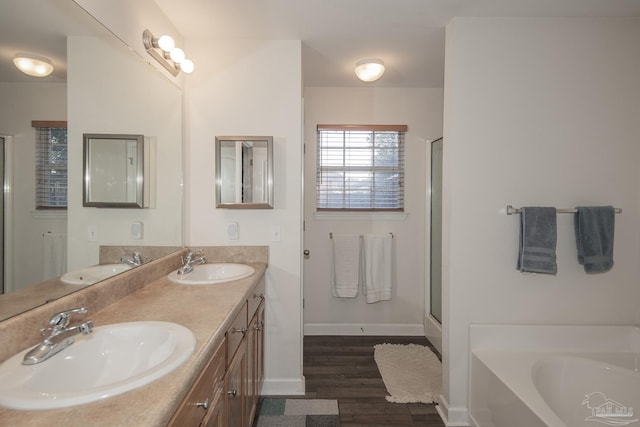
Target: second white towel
346	265
55	254
377	267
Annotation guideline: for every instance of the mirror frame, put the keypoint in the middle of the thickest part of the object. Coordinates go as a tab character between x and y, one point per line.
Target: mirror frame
264	205
87	200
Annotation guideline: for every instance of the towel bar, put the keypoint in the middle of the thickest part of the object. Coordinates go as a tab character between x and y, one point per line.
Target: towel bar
512	211
331	235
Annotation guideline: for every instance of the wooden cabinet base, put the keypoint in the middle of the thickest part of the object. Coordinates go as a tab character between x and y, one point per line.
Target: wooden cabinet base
226	394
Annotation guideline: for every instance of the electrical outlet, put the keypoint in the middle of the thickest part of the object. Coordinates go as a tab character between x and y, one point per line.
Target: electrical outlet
136	230
232	231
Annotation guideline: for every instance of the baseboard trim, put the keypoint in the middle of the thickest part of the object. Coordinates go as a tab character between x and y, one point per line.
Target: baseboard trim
404	329
433	331
283	387
452	417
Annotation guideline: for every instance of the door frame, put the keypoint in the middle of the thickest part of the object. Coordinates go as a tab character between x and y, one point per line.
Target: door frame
7	220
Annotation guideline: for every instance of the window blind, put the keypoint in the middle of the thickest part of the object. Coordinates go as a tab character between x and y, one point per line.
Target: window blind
360	168
51	164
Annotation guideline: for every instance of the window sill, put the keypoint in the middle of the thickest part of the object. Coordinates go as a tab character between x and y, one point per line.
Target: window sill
49	214
360	216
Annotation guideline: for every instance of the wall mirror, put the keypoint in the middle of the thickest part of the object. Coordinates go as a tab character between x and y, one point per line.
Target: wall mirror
113	172
244	172
94	73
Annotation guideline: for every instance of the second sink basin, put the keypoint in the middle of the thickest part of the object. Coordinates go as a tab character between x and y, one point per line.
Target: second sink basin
91	275
112	360
209	274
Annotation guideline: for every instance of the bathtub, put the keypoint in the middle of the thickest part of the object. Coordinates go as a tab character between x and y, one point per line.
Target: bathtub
586	379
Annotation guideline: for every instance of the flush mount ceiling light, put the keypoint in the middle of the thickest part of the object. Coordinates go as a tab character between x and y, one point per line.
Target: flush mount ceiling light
369	70
33	65
163	49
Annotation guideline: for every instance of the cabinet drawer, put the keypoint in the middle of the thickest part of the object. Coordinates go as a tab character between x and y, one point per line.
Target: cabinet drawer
256	297
236	332
202	395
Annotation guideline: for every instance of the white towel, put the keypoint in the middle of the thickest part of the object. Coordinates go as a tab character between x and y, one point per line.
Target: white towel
377	267
345	265
55	254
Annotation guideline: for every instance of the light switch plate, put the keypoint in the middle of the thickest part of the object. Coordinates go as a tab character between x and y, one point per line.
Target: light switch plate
275	233
92	232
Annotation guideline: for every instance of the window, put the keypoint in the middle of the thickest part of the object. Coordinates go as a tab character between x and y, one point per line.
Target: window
51	164
360	168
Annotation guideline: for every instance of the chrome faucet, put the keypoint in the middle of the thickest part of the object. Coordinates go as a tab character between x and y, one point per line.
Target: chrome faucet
135	260
58	336
190	260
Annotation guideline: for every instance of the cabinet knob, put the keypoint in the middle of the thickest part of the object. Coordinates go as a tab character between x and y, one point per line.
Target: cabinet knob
204	405
243	331
232	393
261	296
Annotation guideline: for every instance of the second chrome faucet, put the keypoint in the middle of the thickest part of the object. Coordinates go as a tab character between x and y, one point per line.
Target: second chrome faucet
192	258
135	260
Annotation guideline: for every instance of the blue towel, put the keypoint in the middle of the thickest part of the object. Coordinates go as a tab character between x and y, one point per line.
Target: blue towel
538	236
594	227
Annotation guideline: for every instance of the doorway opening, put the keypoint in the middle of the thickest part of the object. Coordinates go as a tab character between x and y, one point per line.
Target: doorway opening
3	205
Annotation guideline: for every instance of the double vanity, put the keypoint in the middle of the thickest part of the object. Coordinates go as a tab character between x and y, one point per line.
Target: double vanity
179	351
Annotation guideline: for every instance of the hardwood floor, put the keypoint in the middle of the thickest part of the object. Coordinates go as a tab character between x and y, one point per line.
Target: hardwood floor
343	368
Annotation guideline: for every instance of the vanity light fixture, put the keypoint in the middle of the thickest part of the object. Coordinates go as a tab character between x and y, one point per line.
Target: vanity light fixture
163	49
369	70
33	65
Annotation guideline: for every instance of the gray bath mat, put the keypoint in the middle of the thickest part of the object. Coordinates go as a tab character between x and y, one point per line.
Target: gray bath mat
298	413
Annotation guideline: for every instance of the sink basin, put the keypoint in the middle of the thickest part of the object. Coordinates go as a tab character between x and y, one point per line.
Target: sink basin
91	275
112	360
209	274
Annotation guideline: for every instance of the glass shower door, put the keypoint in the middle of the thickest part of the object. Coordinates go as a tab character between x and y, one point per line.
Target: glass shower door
2	150
435	300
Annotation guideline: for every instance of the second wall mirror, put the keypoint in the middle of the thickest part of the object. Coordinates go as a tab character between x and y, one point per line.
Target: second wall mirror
113	171
244	172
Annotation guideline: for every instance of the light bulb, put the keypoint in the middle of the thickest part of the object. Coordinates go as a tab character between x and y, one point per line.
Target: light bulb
166	43
187	66
177	55
369	70
33	65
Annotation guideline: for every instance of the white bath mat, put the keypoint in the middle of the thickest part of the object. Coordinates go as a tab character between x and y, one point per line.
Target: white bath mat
411	372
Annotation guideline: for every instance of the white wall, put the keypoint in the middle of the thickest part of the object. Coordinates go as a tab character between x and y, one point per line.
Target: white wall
421	110
253	88
20	104
537	112
127	20
111	91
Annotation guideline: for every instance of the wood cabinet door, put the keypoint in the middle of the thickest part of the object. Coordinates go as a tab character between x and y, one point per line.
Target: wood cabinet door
198	402
215	416
252	368
260	332
235	387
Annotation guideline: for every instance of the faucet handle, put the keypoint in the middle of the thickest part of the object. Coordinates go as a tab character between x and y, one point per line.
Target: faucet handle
61	319
194	253
191	256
